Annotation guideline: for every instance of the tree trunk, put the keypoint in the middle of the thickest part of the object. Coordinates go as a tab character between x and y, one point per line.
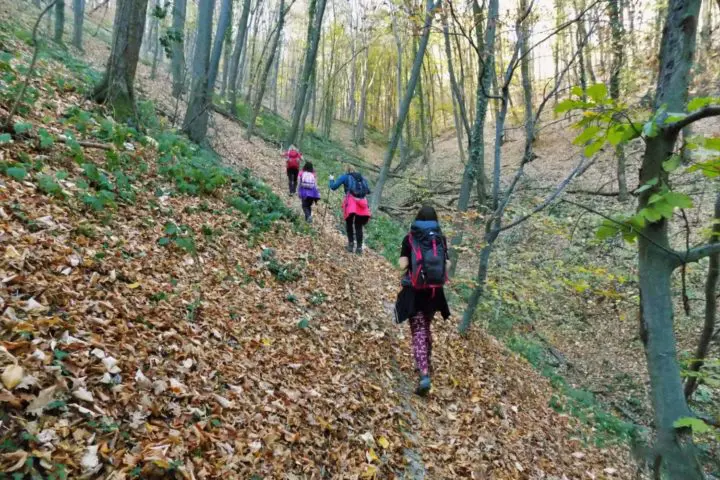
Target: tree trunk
275	74
399	77
154	41
409	93
235	60
360	126
262	85
223	23
526	74
710	307
197	114
475	166
227	50
617	64
177	63
580	42
675	451
79	19
317	11
117	86
59	21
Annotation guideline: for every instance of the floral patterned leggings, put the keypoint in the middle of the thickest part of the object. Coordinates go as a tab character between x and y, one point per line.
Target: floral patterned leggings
421	342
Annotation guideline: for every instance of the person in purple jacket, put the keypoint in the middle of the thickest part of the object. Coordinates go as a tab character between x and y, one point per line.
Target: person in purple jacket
308	190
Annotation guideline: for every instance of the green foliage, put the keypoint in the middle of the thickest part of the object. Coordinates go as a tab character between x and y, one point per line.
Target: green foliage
281	271
181	236
697	425
5	138
47	184
46	139
18	173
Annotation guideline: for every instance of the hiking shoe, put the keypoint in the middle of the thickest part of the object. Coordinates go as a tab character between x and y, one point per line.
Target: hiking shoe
358	250
423	386
349	247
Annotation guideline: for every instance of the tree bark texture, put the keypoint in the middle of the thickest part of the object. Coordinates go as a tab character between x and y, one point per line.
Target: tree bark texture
59	21
177	62
405	107
317	11
197	113
235	59
223	23
116	89
78	21
676	455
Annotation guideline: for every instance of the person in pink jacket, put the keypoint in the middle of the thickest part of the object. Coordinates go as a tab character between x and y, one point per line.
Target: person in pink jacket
356	210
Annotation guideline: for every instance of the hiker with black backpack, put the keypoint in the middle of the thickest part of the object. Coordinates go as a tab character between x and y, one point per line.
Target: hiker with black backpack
308	190
356	210
292	167
423	259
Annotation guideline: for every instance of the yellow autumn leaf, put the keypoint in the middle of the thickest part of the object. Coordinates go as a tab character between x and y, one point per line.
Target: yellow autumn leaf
12	376
267	342
383	442
370	472
371	456
133	285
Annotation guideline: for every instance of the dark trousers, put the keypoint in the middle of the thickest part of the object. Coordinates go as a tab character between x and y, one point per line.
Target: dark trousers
307	204
292	174
354	227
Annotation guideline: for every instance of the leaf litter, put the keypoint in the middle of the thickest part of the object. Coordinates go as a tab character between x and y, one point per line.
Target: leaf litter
123	382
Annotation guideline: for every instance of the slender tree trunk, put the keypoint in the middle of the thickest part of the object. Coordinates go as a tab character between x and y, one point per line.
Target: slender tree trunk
311	97
177	63
197	114
526	74
399	78
227	51
235	59
675	451
153	41
223	23
117	86
262	85
475	166
580	42
59	21
617	64
317	8
79	19
710	307
409	93
360	126
275	74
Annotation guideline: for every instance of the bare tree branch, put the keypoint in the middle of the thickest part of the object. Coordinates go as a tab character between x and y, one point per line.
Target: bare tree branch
711	111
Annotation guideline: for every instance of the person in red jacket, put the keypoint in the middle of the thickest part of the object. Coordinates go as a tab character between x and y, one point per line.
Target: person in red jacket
292	167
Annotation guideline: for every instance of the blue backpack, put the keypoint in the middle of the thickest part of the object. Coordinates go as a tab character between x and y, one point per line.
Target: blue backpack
358	186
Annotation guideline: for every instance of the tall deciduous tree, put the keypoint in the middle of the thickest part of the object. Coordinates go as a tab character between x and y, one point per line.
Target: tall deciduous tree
237	51
405	105
177	62
617	64
674	448
197	113
269	62
223	24
317	11
59	20
117	87
78	20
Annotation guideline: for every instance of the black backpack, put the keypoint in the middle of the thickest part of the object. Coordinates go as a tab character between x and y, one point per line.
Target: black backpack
428	254
358	188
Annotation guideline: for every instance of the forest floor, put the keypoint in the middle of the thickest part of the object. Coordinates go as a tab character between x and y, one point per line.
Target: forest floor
166	317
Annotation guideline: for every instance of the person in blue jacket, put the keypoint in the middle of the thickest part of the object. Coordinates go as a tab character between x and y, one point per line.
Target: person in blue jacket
355	206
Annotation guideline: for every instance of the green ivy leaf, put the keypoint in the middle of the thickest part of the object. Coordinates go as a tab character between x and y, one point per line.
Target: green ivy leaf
587	135
679	200
304	323
597	92
186	243
650	129
672	163
698	103
22	127
171	229
695	424
5	138
46	140
594	147
18	173
567	105
648	185
577	91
